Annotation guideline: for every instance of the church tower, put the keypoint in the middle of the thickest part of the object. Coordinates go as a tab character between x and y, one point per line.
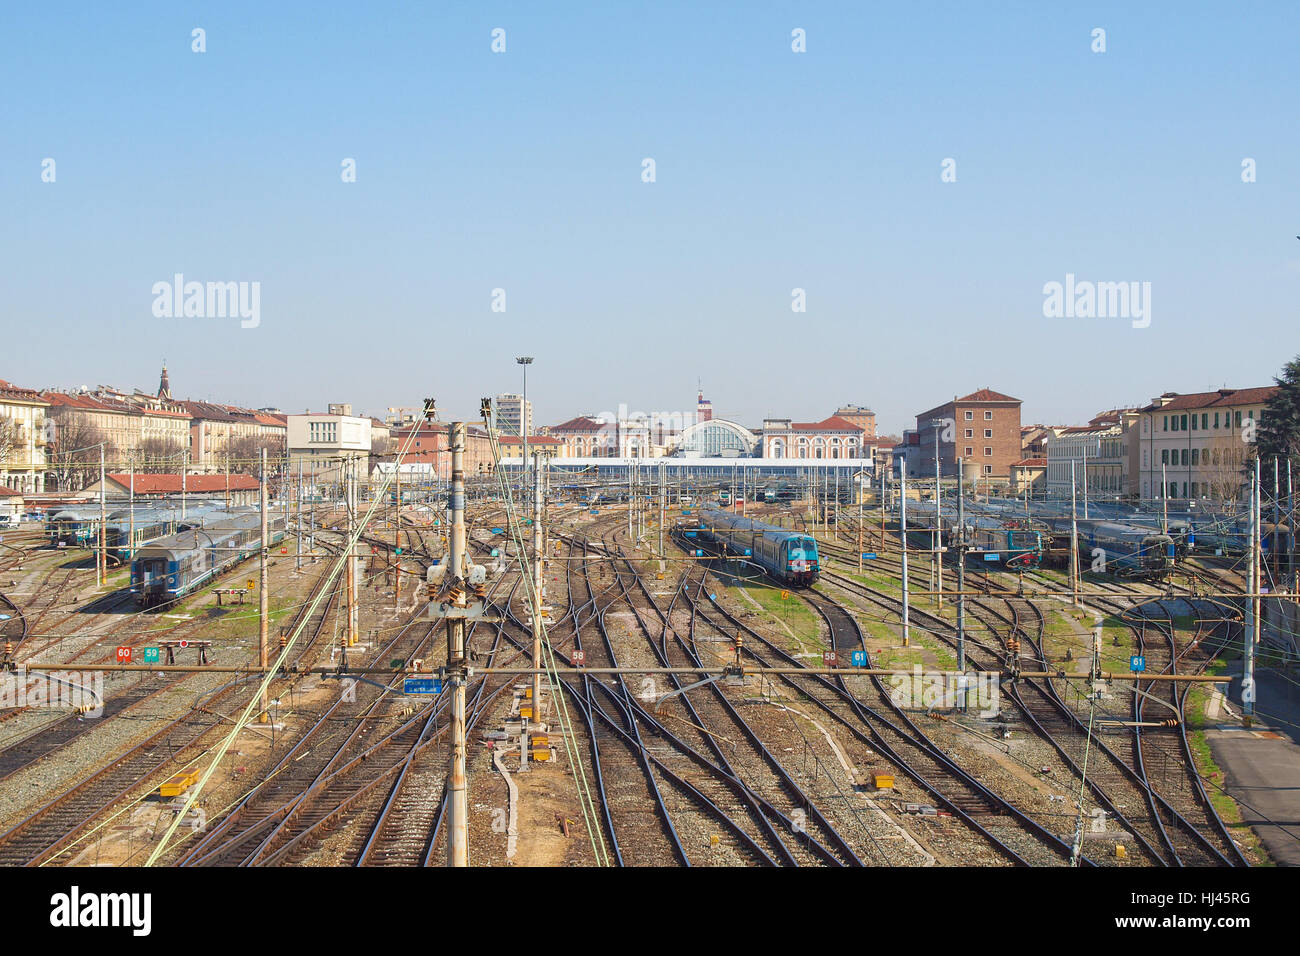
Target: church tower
164	386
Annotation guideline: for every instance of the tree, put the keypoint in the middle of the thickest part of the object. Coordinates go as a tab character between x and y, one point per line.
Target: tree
243	454
160	456
9	438
1278	434
74	456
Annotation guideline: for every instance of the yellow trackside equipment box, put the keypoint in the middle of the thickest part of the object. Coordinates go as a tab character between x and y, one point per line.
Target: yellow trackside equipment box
179	784
883	781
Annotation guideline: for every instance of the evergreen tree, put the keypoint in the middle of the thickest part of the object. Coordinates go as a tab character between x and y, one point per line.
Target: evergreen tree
1279	429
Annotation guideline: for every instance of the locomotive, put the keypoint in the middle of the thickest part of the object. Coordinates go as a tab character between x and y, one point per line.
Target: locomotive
788	556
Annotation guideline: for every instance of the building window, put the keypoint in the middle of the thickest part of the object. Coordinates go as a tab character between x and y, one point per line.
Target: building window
1193	489
1165	428
1193	423
1205	421
988	452
988	416
1145	455
970	433
1195	459
969	451
1164	456
1184	457
1216	419
1237	417
988	469
988	433
969	416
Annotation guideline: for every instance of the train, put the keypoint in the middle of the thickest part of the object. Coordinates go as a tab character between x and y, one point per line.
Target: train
124	532
177	565
73	527
787	556
992	542
1117	548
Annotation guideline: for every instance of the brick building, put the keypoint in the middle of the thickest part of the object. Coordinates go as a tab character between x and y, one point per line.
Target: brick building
982	427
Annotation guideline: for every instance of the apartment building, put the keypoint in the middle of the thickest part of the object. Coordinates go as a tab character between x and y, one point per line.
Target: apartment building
22	438
1197	445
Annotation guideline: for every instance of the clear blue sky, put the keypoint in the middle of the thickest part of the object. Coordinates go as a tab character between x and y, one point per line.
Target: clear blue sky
775	170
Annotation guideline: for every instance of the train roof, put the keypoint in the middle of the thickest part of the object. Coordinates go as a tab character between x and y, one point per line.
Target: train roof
742	523
196	539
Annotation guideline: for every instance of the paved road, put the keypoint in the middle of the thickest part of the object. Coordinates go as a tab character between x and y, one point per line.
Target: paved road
1262	765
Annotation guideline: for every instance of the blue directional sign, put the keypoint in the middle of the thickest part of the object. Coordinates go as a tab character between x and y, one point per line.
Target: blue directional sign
749	553
151	655
859	658
496	530
691	534
421	685
686	511
868	555
594	511
496	553
1137	664
992	556
699	554
712	596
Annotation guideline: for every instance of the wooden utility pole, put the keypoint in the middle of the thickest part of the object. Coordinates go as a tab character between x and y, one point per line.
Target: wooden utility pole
263	604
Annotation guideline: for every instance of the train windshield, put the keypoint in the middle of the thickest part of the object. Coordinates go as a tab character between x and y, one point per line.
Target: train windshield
802	549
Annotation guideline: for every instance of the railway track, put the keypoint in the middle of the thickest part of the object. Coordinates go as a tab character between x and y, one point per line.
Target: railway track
47	834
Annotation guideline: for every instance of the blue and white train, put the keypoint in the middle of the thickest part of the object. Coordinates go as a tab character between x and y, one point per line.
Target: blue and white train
788	556
180	564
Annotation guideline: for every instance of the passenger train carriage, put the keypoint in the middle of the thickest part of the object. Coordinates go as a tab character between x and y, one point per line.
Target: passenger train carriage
788	556
180	564
1117	548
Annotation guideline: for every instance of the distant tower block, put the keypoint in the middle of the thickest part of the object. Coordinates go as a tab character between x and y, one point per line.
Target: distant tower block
164	386
703	408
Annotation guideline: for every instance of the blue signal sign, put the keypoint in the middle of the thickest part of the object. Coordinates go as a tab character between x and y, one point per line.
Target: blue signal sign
497	530
992	556
869	555
859	658
426	686
691	534
1137	664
